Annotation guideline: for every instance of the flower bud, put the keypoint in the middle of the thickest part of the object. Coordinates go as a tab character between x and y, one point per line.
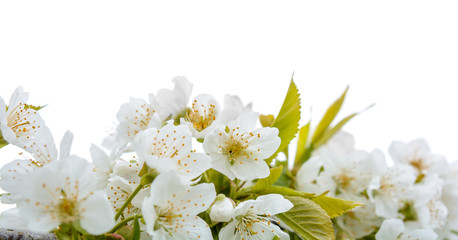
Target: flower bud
222	208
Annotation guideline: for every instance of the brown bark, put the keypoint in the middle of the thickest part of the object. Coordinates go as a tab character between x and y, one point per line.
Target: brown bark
9	234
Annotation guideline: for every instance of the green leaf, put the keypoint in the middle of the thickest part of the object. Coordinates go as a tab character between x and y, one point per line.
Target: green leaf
77	226
287	120
330	114
266	120
302	142
328	134
125	232
334	207
62	236
264	183
286	191
136	230
308	219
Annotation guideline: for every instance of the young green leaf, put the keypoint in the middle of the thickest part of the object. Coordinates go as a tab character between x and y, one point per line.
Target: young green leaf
329	133
334	207
286	191
287	120
308	219
136	230
264	183
330	114
302	142
266	120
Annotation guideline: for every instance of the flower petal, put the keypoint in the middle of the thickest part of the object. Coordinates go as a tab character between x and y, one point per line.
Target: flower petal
97	216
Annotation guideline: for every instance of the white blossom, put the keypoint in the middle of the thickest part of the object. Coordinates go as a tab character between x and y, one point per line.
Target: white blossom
233	108
136	116
19	122
118	191
63	192
43	152
340	169
103	166
360	221
170	148
173	103
389	189
427	208
171	210
252	219
201	118
238	150
417	154
394	229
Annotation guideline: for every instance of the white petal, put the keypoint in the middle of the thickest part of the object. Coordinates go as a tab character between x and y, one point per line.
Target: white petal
97	216
172	102
18	96
149	214
100	159
44	149
228	231
13	175
420	234
221	164
233	108
13	219
272	204
195	199
249	169
192	165
191	228
390	229
386	207
65	145
212	140
2	111
267	142
164	186
246	122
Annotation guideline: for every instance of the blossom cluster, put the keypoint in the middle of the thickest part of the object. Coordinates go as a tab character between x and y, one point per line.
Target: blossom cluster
180	168
153	175
412	195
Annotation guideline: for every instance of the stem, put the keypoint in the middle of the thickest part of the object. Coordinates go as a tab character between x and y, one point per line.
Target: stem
233	187
75	234
128	201
240	186
123	222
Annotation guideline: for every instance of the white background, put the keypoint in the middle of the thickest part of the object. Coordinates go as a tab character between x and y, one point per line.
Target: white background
85	58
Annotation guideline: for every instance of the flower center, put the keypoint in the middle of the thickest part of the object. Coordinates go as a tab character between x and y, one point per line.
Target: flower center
344	179
166	220
201	119
67	209
418	164
245	223
234	150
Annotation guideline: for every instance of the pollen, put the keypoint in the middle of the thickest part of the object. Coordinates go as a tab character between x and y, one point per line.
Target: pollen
201	116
